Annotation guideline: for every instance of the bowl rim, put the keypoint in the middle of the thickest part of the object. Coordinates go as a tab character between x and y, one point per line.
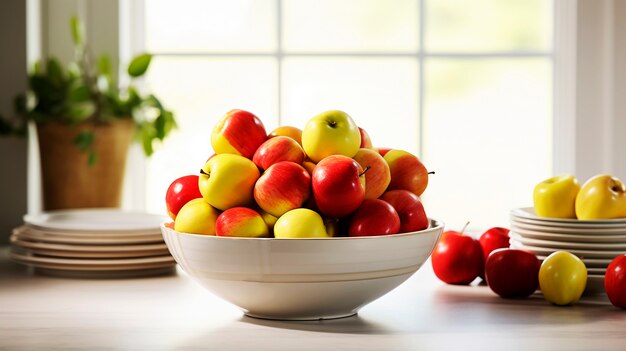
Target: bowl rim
434	225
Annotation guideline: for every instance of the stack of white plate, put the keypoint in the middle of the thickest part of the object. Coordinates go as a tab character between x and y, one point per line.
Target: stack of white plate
92	243
596	242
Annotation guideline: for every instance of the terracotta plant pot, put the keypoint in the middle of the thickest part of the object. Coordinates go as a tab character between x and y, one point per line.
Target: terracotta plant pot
68	180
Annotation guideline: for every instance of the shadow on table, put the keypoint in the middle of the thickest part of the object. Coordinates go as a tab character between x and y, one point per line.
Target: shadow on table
349	325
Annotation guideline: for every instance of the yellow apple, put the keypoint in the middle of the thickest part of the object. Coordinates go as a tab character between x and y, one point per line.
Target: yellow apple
555	197
330	133
601	197
288	131
196	217
227	180
562	278
300	223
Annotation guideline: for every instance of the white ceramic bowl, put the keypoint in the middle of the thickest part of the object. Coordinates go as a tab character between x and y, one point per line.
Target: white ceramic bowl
301	279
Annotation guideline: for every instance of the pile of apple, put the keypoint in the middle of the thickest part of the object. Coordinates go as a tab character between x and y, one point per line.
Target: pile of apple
601	197
322	181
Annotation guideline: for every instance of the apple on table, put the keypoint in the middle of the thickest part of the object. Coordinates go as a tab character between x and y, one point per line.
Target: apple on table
562	278
457	258
615	281
512	273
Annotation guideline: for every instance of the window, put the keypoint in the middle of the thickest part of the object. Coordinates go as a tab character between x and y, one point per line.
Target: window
467	85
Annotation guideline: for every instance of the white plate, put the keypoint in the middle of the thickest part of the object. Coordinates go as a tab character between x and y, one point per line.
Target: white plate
24	234
589	262
548	224
567	245
576	238
88	234
87	248
108	220
596	230
544	251
529	213
99	262
25	246
596	271
595	284
105	274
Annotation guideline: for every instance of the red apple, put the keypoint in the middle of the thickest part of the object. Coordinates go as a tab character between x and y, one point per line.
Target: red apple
615	281
457	258
277	149
409	208
512	273
366	141
241	222
181	191
374	217
407	172
494	238
377	176
338	185
383	151
282	187
238	132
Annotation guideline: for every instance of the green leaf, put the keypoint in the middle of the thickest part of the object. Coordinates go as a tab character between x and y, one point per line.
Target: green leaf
139	65
79	93
147	135
78	112
92	158
37	68
84	140
76	27
55	73
104	65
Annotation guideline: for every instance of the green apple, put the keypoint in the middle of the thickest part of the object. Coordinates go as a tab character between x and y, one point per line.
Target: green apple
330	133
196	217
300	223
601	197
555	197
562	278
227	180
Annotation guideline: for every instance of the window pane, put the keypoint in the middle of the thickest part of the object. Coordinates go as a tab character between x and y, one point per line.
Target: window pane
200	91
488	137
350	25
210	25
380	94
488	25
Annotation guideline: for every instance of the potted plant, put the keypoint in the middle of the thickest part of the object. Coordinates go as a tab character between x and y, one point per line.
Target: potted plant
85	124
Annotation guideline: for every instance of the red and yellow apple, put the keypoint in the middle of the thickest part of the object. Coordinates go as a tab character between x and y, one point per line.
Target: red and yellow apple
366	141
227	180
196	217
238	132
330	133
407	172
241	222
282	187
338	186
383	151
181	191
288	131
300	223
374	217
277	149
410	209
377	174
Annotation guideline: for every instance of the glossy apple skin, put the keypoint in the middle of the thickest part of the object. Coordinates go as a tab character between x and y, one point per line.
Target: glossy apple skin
288	131
300	223
457	259
330	133
238	132
377	176
562	278
181	191
338	186
410	209
493	239
601	197
383	151
366	141
555	197
277	149
282	187
512	273
196	217
407	172
615	281
228	181
241	222
374	217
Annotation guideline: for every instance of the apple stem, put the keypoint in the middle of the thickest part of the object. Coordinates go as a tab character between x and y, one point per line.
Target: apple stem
203	172
464	227
365	170
431	172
